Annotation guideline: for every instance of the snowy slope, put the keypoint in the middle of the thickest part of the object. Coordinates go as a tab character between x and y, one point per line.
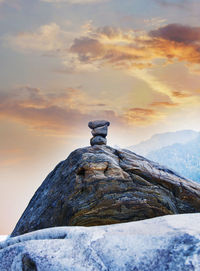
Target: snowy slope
3	237
164	243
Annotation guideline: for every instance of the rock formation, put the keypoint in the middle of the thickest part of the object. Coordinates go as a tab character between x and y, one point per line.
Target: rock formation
99	132
99	185
169	243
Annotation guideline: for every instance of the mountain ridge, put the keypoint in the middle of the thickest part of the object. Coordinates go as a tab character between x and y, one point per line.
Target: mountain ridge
158	141
184	158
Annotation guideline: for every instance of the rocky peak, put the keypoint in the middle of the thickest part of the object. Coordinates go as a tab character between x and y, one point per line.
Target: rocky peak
100	185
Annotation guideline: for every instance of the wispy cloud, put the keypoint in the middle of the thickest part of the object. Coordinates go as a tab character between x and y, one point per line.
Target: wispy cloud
65	112
164	104
134	52
172	3
47	38
178	33
55	113
181	94
142	116
139	49
81	2
94	47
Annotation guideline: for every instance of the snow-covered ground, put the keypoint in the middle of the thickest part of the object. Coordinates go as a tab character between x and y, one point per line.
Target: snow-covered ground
3	237
169	243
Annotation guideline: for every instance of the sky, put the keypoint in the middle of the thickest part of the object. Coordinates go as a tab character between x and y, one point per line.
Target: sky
63	63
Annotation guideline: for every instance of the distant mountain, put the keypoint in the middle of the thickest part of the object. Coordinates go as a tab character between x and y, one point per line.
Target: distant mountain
183	158
159	141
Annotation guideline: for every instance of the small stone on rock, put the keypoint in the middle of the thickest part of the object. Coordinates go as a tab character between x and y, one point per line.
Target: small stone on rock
98	123
100	131
98	140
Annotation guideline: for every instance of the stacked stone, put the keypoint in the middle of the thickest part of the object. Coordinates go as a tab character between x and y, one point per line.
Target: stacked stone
99	132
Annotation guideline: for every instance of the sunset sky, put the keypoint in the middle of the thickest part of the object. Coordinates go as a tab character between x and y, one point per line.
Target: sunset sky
135	63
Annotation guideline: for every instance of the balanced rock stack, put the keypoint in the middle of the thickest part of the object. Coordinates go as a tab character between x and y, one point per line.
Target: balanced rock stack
100	185
99	132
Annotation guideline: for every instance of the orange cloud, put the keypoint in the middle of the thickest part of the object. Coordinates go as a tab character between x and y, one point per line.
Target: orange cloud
131	49
65	112
136	51
180	94
178	33
128	50
164	104
142	116
54	113
177	4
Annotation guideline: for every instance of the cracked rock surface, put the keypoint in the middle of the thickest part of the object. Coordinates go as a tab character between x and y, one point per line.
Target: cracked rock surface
100	185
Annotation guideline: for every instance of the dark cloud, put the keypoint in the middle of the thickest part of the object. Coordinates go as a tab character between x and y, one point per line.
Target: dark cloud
87	49
129	50
178	33
121	51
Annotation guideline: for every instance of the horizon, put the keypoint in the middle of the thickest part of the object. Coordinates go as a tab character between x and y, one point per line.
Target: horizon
66	62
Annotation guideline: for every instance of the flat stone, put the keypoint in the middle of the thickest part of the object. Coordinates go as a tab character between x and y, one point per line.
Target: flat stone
100	131
98	123
98	140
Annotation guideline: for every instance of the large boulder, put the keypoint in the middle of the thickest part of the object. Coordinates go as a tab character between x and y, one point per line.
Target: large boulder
100	185
169	243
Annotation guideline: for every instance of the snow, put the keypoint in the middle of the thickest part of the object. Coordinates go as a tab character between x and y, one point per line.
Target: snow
3	237
163	243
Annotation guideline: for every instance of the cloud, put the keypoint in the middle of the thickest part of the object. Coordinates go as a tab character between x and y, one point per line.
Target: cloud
135	52
81	2
178	33
181	94
40	111
66	112
111	46
164	104
176	4
142	116
55	113
47	38
96	47
132	49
